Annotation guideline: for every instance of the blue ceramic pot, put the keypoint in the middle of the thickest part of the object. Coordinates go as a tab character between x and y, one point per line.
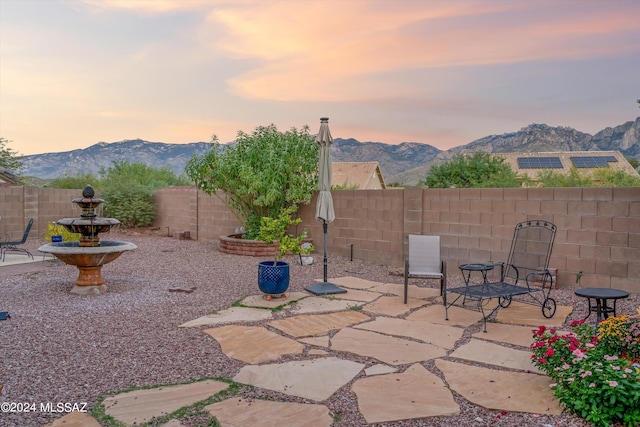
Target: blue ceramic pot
273	279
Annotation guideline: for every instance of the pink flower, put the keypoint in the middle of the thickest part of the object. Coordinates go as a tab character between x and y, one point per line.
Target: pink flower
565	366
610	357
627	370
542	360
613	383
592	385
550	352
586	374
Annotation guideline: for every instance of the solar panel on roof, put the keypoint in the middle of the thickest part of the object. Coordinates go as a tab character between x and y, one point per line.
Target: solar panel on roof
539	163
592	161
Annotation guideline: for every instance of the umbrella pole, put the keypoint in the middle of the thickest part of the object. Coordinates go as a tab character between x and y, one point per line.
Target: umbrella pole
324	228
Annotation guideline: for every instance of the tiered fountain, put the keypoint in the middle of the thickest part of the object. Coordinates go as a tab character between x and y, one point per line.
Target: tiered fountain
89	254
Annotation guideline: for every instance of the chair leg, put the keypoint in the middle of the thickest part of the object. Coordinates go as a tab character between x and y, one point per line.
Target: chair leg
406	288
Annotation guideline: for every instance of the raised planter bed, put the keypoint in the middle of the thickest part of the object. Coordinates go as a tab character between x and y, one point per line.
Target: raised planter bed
236	245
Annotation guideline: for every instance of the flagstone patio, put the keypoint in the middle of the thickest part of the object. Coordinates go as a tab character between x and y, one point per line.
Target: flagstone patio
408	363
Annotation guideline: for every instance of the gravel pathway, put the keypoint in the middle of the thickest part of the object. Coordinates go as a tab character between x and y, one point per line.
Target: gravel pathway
60	347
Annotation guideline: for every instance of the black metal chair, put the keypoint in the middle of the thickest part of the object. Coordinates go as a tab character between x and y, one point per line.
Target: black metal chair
12	245
525	274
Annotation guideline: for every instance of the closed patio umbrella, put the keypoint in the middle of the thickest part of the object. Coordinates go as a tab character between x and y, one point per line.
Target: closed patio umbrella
324	206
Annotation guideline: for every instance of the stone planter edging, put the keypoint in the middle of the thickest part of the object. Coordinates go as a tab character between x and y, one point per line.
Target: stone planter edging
236	245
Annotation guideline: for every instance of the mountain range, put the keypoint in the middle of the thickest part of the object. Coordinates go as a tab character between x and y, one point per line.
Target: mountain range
405	163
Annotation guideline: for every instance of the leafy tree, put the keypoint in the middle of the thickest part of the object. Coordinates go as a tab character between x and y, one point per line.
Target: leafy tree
477	170
609	177
149	177
550	178
601	177
128	191
261	175
9	159
75	181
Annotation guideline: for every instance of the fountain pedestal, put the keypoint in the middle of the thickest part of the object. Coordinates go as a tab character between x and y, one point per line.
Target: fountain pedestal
89	261
89	254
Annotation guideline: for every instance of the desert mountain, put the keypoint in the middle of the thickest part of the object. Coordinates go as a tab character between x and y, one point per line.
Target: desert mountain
405	163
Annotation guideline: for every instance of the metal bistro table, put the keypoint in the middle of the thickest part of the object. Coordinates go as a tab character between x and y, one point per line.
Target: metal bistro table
480	267
601	295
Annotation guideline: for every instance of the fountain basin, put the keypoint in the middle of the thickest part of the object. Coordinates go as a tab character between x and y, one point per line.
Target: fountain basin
89	227
89	261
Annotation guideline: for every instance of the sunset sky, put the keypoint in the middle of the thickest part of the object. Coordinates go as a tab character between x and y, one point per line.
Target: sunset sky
77	72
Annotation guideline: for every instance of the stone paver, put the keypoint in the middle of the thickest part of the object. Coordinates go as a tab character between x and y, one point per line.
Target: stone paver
233	314
415	393
173	423
353	282
140	406
497	355
519	313
495	389
380	369
253	344
262	302
393	305
389	288
511	334
417	292
310	325
75	419
440	335
391	350
384	395
320	305
317	341
435	313
241	413
315	379
358	295
422	292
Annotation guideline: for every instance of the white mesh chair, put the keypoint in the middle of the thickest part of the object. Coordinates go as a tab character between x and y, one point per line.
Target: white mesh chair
424	261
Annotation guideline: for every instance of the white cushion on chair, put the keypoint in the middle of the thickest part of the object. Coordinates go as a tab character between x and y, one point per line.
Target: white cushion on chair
424	256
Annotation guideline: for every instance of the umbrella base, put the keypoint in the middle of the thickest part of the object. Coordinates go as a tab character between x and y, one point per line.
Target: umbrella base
325	288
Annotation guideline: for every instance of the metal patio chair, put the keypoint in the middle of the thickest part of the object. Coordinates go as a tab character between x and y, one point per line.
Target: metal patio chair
424	261
12	245
525	275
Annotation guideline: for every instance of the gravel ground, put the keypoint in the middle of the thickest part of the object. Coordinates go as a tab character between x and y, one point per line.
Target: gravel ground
60	347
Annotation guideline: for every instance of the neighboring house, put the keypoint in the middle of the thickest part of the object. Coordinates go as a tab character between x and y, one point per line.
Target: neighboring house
533	163
357	175
7	177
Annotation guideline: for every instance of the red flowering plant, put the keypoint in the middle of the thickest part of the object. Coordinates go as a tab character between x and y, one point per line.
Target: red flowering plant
589	379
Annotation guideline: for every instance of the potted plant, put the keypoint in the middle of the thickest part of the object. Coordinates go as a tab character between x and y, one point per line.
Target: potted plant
57	233
273	276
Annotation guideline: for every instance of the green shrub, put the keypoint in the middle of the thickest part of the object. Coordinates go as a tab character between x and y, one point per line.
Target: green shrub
261	175
477	170
131	204
79	181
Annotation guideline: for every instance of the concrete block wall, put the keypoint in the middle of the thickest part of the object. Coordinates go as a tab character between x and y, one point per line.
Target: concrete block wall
18	204
181	209
598	236
177	210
